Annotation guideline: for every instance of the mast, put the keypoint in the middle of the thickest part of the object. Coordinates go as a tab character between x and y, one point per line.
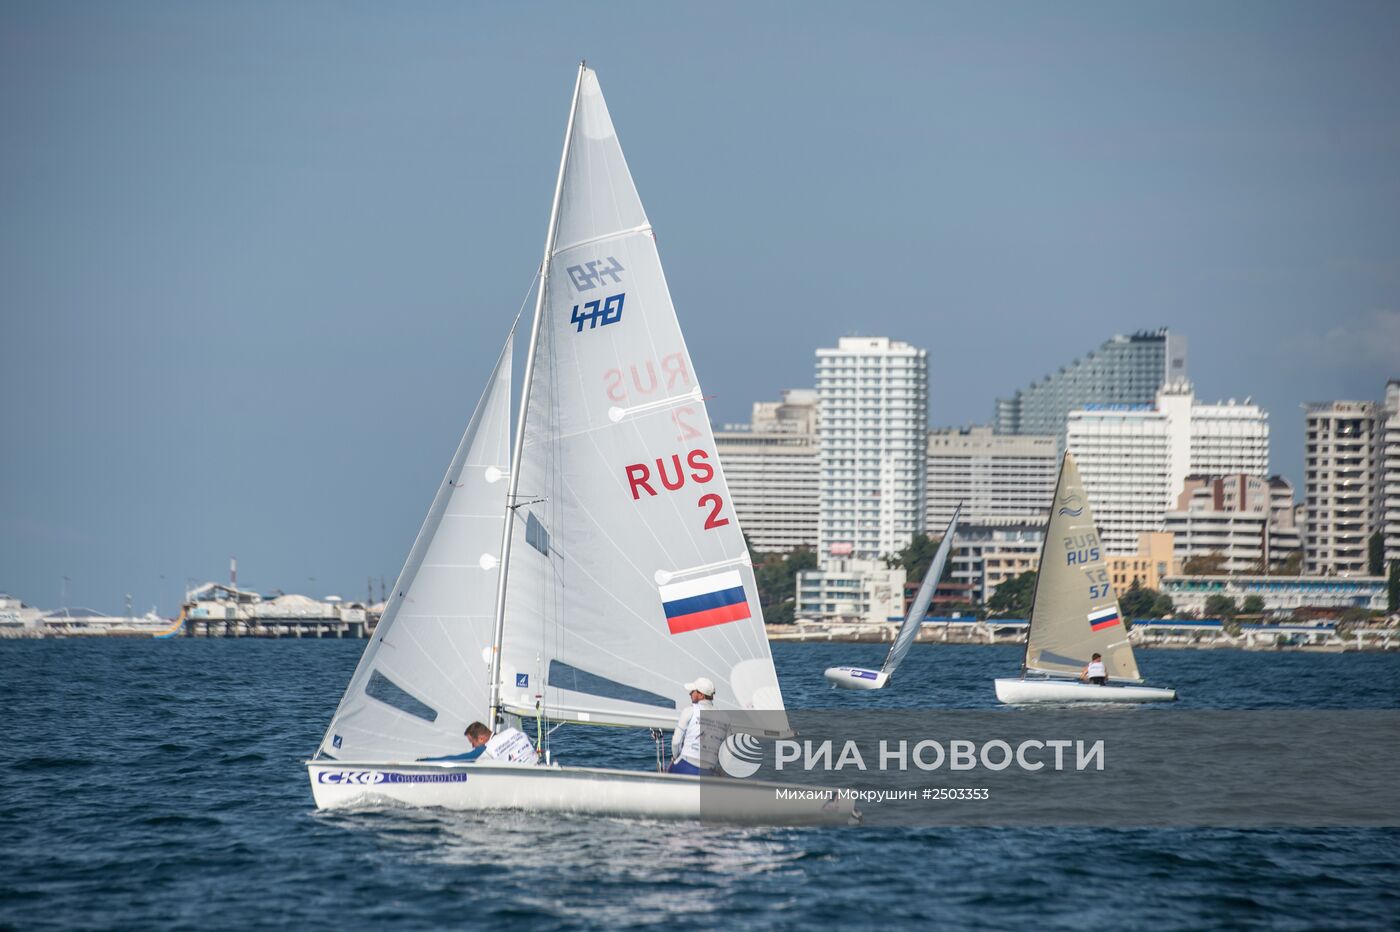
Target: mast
1040	564
519	447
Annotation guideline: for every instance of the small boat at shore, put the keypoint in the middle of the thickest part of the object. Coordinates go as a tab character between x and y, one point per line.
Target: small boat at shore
861	678
1075	616
580	573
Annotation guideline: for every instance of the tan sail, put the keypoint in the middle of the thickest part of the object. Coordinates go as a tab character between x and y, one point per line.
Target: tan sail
1075	611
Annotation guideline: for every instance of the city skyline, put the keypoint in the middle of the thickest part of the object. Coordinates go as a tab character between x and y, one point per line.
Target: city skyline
257	259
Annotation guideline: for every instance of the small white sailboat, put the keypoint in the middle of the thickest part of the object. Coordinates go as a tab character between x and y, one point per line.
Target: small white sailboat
582	576
861	678
1074	615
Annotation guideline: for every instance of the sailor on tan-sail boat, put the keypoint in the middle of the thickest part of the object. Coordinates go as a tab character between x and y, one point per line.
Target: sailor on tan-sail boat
1095	672
1077	647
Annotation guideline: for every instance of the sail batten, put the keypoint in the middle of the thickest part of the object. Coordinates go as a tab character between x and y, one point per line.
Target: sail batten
1074	612
602	238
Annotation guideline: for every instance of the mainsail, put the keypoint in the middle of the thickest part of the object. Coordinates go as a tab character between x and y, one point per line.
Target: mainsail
424	676
628	574
1075	611
910	629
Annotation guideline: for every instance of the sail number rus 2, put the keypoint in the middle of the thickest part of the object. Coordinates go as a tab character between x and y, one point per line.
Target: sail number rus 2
672	476
667	474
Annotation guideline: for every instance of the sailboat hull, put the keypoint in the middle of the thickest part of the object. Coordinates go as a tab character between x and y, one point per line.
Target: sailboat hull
856	678
574	790
1016	691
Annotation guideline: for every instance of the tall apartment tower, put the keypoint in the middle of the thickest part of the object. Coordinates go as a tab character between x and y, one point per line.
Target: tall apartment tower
998	480
771	466
872	430
1385	514
1135	458
1339	486
1124	370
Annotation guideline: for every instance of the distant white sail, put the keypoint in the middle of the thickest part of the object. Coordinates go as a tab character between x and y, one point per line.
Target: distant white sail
628	572
910	629
424	675
1075	611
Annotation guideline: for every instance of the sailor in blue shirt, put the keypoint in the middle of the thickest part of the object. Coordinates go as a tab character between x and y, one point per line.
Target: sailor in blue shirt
477	736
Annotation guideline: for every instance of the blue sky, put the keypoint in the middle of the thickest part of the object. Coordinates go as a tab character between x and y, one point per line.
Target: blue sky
256	258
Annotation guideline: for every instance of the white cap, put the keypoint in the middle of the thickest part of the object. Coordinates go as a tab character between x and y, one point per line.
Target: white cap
702	685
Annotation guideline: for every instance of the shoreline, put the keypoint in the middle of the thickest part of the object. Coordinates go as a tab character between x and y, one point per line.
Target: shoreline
983	633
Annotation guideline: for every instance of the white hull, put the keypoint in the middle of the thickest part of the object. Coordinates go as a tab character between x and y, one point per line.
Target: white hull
575	790
856	678
1016	691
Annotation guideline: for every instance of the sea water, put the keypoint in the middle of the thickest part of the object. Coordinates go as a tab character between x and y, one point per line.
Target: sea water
150	784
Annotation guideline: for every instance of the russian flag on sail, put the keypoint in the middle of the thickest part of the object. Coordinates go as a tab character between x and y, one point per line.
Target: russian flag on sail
1103	618
700	603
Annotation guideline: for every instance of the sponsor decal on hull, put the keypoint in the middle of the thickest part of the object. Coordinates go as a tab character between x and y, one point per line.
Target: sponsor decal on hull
374	777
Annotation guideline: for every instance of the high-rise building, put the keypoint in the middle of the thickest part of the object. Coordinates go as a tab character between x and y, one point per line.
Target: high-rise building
771	466
1125	370
1237	519
1134	459
1340	485
1385	513
997	479
872	430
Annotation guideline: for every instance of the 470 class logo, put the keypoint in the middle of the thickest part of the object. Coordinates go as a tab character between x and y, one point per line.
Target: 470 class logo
590	275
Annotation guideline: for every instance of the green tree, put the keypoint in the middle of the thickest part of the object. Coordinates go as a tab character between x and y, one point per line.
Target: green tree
1375	555
1220	606
1206	564
916	558
1392	600
780	614
776	576
1291	565
1137	602
1013	597
1252	605
1162	606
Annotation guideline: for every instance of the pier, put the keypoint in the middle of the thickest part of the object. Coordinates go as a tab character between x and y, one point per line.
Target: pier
218	610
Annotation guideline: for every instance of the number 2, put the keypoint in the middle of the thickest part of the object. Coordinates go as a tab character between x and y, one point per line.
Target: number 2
716	503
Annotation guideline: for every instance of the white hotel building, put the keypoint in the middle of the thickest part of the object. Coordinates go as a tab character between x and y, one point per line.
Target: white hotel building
872	431
772	468
1386	510
999	479
1134	459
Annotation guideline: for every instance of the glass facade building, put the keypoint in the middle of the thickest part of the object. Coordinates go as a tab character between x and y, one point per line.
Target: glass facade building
1124	370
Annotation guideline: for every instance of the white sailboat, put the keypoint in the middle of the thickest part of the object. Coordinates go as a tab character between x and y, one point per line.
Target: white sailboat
861	678
583	576
1074	614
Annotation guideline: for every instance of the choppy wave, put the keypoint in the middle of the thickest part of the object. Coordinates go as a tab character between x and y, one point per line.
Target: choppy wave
165	789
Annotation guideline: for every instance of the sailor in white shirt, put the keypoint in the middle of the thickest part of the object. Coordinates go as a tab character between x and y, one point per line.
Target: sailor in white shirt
1095	672
697	738
508	744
